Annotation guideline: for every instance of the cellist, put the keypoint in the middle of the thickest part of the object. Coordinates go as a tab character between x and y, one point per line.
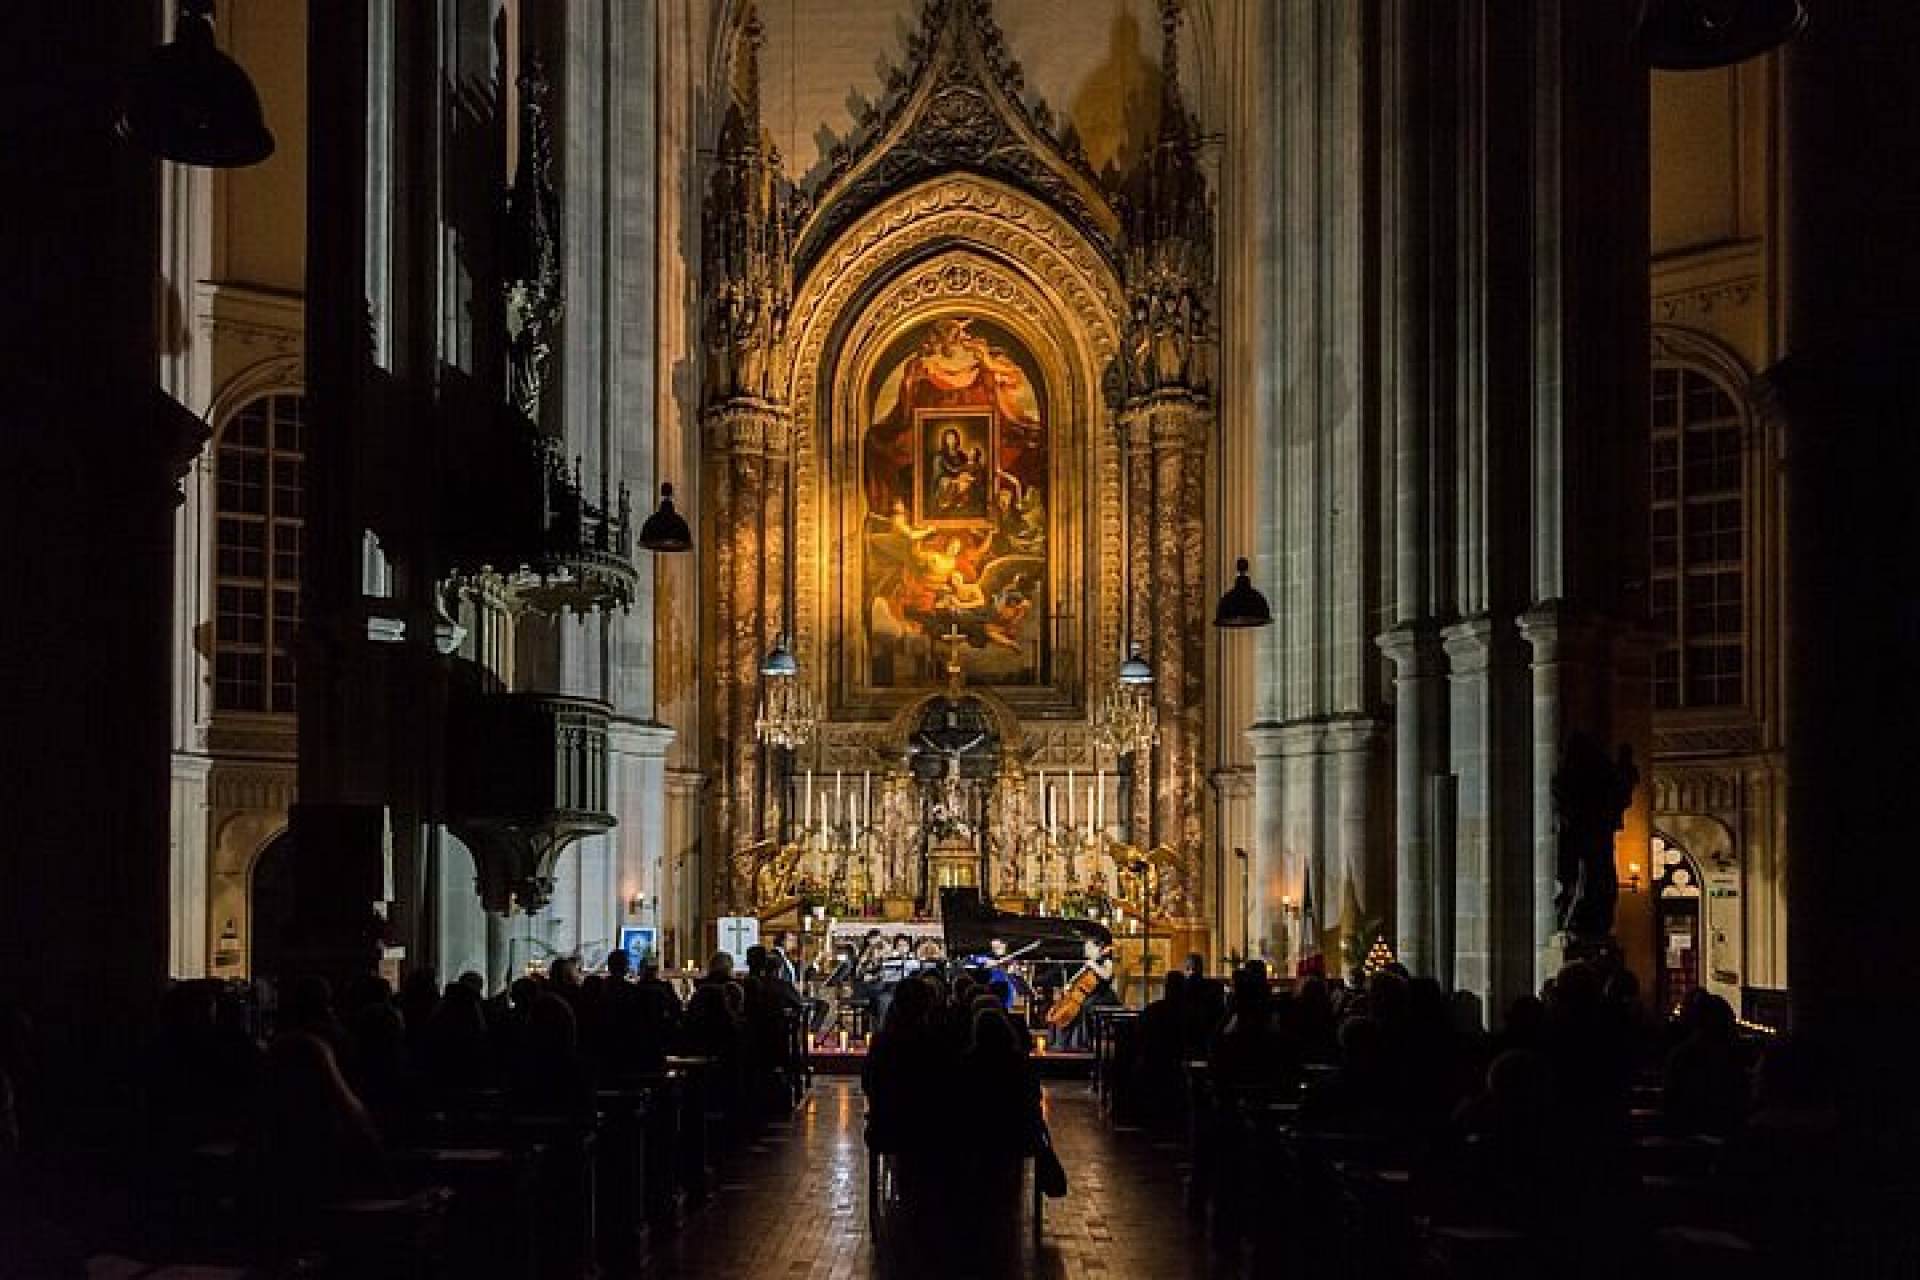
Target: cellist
1092	986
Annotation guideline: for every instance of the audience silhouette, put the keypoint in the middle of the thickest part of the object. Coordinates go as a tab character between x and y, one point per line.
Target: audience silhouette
1555	1130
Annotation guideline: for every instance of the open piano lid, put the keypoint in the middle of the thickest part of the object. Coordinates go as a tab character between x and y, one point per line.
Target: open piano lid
971	923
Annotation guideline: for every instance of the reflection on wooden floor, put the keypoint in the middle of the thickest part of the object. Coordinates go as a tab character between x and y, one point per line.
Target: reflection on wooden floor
794	1206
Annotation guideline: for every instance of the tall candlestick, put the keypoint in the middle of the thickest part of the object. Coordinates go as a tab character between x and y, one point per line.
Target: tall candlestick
866	797
1069	798
1052	826
1100	798
809	821
839	797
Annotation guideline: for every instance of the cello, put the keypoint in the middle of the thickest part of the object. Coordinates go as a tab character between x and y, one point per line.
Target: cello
1074	998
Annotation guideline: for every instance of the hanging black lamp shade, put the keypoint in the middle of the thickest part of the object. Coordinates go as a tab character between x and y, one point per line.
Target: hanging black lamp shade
192	104
1134	669
779	664
666	529
1697	35
1242	605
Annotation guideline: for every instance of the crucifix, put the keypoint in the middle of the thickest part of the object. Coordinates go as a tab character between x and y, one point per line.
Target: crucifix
953	639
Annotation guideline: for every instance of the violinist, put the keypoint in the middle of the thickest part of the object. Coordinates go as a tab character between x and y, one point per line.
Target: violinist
1003	971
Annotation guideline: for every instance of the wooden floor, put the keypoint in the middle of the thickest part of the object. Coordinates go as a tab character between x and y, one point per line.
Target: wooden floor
796	1205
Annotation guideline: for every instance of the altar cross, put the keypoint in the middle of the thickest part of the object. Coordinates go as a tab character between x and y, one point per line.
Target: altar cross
953	639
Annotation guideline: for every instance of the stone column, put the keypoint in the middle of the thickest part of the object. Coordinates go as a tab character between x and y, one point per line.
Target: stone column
1853	584
1351	852
717	837
1493	892
1174	420
1415	211
1267	924
1136	434
636	776
1419	745
777	609
1569	687
738	431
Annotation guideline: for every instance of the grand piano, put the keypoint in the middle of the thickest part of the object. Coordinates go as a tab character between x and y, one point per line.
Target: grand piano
971	923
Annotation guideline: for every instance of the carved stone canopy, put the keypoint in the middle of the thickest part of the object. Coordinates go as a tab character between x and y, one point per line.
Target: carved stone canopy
958	105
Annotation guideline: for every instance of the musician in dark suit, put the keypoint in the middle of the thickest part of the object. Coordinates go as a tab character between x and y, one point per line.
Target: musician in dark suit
1093	984
782	957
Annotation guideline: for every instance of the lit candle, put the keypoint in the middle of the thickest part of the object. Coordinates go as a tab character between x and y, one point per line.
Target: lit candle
809	821
1052	826
1100	794
1069	799
1091	810
839	795
866	797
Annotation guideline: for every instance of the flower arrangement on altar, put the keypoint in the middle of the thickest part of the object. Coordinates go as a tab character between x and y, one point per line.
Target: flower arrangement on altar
811	892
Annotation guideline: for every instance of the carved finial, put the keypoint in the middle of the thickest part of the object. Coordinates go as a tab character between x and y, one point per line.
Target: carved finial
756	34
1173	110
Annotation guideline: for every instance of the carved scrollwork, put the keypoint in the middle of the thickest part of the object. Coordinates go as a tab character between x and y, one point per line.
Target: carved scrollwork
959	102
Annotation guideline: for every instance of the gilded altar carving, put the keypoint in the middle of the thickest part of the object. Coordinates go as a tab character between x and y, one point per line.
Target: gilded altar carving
958	230
1044	280
959	102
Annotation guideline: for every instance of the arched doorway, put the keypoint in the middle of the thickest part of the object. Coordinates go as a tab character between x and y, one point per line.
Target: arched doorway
271	905
1676	910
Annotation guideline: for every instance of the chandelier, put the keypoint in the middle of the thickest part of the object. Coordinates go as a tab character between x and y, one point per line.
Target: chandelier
1126	720
788	715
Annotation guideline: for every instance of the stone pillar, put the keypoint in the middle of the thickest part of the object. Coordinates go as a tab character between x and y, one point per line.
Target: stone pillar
777	609
1351	851
1175	423
1420	746
1853	585
1569	693
1493	894
1417	282
1136	429
637	787
738	433
1267	885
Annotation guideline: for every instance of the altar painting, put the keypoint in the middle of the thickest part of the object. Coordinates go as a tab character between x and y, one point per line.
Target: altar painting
955	471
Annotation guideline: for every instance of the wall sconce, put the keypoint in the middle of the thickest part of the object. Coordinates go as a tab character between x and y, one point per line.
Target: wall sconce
1632	883
226	951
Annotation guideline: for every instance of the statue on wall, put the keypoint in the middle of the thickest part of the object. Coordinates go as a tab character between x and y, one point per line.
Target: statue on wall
1591	795
533	289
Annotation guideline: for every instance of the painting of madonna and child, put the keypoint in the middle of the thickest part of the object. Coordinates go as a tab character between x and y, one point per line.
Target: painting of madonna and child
955	472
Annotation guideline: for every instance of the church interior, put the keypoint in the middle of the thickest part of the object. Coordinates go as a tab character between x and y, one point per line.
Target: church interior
642	615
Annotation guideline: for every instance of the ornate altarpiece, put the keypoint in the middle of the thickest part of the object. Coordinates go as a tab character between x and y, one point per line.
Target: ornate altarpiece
957	235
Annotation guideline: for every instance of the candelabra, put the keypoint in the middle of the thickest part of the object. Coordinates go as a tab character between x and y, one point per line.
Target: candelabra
787	716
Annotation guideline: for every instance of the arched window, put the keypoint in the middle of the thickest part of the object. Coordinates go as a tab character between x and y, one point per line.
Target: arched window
259	465
1698	587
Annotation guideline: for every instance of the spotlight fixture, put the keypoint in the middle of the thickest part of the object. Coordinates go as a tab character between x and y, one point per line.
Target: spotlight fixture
1242	605
1134	669
192	104
666	529
1699	35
